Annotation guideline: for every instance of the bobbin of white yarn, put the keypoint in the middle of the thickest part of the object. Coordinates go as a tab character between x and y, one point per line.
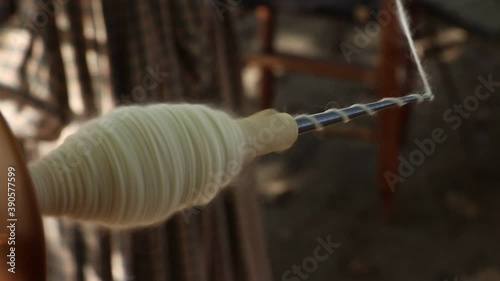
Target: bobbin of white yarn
140	164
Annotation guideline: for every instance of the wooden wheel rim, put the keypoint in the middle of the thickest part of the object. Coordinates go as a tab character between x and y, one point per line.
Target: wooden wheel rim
22	242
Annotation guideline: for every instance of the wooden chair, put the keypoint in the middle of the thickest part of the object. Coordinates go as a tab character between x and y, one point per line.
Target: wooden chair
384	76
30	259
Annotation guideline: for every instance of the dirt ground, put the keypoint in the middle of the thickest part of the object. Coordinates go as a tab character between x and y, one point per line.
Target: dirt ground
447	225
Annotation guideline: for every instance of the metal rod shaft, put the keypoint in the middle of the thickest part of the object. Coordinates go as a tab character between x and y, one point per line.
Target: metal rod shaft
306	124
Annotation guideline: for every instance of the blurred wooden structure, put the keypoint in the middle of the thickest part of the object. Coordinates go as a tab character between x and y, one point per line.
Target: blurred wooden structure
384	76
22	241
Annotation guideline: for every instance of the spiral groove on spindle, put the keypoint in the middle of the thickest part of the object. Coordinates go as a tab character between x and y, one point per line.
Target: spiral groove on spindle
315	122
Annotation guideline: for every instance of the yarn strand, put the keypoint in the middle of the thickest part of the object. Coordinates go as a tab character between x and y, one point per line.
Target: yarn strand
405	26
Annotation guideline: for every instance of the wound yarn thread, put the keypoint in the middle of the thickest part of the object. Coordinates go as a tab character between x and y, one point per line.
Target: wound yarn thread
140	164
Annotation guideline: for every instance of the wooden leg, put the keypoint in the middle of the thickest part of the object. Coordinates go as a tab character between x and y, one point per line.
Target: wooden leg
410	71
390	120
406	87
266	29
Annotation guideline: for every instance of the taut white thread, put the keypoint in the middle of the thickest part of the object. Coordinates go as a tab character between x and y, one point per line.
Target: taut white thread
403	20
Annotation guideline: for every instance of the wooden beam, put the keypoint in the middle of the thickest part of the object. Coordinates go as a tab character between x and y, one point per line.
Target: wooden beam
316	66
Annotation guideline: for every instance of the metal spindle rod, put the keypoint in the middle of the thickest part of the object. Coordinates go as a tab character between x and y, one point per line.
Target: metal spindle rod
326	118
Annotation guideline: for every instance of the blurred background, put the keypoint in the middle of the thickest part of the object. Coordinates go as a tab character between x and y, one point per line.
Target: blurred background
440	222
410	194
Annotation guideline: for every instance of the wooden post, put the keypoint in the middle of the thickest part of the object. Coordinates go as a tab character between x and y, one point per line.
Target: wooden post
266	30
390	120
